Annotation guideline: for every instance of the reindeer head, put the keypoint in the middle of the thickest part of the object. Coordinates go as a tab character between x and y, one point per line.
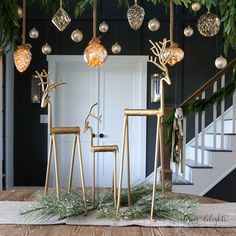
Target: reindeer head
47	86
159	51
86	122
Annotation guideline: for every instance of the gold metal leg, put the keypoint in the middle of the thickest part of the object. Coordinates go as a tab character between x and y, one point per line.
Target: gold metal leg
56	165
48	167
93	176
121	163
162	158
155	168
81	170
128	161
72	164
114	178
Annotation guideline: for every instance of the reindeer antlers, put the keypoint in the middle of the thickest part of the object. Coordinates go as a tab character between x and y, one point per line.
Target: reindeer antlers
90	114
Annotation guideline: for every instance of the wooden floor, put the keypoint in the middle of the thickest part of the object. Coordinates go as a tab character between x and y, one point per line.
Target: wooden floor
61	230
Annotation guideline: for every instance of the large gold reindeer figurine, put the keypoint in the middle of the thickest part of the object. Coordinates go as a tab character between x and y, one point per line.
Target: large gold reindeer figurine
47	87
94	149
159	51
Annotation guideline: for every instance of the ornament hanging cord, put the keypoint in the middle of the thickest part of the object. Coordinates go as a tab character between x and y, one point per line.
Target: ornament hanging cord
94	18
24	22
171	21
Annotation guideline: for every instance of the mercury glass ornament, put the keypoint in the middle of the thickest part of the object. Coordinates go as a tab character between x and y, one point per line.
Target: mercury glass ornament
34	33
77	36
135	15
20	12
116	48
208	24
196	6
154	24
174	53
95	53
61	19
22	57
46	49
103	27
188	31
220	62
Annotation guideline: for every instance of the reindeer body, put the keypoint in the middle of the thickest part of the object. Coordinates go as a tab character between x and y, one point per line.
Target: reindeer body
98	149
47	86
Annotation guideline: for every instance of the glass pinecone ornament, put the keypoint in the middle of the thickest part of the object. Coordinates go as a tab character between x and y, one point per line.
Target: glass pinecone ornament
220	62
208	24
77	36
22	57
61	19
174	53
154	24
188	31
116	48
95	54
103	27
196	6
34	33
46	49
135	15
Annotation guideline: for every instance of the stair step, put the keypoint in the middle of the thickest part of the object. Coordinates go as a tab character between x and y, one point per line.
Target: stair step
210	149
194	164
223	134
178	180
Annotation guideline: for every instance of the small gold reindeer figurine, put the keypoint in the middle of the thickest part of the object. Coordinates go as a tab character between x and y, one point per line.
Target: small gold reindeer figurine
94	149
47	87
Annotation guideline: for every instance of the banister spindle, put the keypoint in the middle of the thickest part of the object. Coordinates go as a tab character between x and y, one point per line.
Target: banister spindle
214	116
203	131
184	144
196	134
234	111
222	115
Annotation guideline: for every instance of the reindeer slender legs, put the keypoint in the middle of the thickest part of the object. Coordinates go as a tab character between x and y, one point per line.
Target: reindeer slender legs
56	165
72	164
155	168
114	179
162	158
81	169
48	167
93	176
128	161
122	163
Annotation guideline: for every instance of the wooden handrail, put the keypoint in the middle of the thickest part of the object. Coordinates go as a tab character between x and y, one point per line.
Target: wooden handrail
210	82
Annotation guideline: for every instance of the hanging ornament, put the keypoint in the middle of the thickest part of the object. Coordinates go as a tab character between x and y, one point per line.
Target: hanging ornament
188	31
116	48
77	36
22	57
135	15
196	6
174	53
220	62
20	12
34	33
61	19
154	24
208	24
95	54
46	49
103	27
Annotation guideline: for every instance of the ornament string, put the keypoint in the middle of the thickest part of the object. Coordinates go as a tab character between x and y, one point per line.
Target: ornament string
94	18
24	22
171	21
135	2
60	3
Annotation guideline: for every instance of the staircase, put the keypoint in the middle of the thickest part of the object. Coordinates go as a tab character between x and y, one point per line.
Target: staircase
211	155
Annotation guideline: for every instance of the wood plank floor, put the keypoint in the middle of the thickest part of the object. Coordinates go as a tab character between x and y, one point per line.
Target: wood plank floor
61	230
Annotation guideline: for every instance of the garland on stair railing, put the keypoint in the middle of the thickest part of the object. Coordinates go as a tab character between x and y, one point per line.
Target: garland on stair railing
200	105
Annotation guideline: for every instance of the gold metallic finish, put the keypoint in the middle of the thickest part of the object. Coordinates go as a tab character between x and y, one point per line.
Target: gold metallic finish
128	161
72	164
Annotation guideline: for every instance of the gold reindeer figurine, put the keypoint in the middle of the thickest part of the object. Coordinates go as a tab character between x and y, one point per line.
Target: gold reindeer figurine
158	50
47	87
94	149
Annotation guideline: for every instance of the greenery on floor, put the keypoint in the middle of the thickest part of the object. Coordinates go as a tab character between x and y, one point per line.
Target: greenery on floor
72	204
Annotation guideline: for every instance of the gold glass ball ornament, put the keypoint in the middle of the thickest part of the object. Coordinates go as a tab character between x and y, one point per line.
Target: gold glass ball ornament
103	27
188	31
77	36
135	15
154	24
22	57
95	54
174	53
34	33
196	6
220	62
208	24
20	12
116	48
46	49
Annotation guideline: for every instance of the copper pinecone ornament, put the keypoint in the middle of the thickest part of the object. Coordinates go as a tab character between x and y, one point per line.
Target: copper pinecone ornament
22	57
